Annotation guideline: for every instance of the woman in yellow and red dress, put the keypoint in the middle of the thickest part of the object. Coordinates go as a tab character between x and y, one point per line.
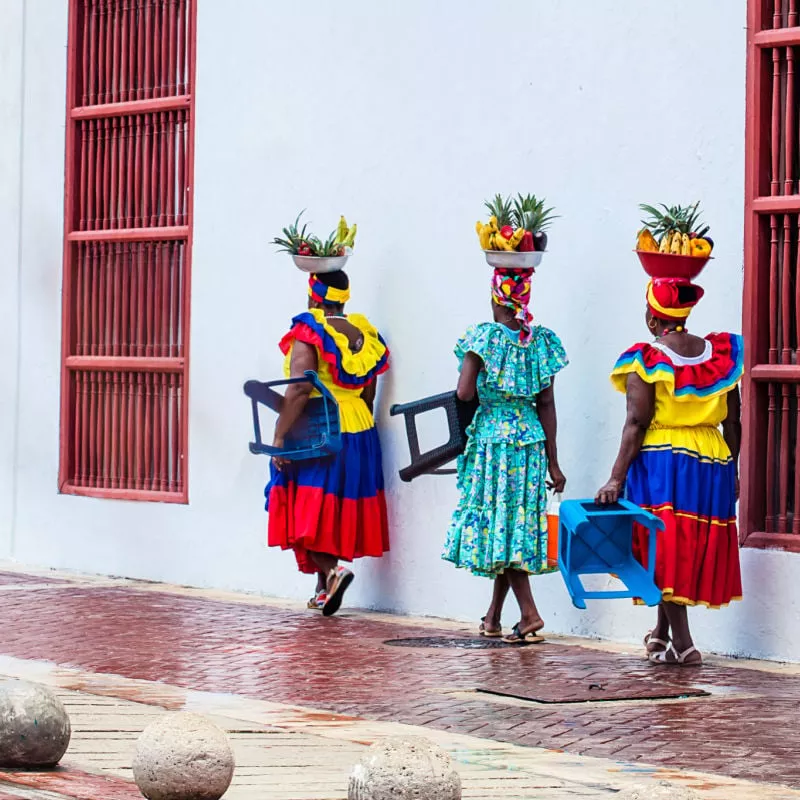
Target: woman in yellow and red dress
675	462
331	509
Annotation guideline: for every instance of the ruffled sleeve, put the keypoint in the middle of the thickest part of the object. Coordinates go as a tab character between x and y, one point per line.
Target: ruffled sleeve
715	376
348	370
512	368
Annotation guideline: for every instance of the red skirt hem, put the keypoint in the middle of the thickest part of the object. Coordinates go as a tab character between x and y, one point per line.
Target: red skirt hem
697	560
304	518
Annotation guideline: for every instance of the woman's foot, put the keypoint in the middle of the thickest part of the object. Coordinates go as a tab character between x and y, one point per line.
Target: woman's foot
490	627
520	635
690	657
655	642
339	579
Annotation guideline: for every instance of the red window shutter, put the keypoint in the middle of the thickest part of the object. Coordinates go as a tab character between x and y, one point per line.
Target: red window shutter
770	507
127	249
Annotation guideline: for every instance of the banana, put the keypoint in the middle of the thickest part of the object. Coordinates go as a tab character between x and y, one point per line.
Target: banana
663	246
493	225
351	236
686	246
516	238
341	230
676	244
484	235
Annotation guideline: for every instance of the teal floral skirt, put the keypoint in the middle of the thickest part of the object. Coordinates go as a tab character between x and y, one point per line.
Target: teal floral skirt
501	518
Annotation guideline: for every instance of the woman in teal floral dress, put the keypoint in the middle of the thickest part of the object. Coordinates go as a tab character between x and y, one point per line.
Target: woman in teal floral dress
499	528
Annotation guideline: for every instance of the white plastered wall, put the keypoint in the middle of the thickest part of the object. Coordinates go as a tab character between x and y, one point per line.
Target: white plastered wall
404	116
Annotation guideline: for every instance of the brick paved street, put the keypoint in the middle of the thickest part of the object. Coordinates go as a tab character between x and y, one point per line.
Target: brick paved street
744	728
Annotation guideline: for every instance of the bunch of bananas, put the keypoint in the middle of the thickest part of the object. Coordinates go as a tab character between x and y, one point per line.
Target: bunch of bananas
675	243
491	237
346	236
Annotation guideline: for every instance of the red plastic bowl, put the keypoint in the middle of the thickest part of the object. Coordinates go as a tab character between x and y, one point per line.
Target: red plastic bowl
667	265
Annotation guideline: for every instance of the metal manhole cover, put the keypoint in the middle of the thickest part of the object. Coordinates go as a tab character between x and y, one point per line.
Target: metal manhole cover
461	643
579	692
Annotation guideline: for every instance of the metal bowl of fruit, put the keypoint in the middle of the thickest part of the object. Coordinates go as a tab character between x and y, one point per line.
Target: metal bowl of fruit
669	265
319	264
506	259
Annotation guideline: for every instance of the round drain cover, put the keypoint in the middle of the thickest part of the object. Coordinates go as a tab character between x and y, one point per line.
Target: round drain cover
440	642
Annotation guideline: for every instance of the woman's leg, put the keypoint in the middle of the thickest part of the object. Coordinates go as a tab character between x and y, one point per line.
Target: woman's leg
491	622
660	631
322	582
678	617
530	620
324	561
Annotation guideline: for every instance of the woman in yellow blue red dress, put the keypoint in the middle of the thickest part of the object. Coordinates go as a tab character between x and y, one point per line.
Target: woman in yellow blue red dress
331	509
675	462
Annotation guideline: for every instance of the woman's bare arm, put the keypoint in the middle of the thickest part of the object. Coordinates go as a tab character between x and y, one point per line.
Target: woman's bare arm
732	429
641	401
546	408
368	394
304	358
468	378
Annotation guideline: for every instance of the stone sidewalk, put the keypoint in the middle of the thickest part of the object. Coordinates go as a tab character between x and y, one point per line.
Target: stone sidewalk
302	697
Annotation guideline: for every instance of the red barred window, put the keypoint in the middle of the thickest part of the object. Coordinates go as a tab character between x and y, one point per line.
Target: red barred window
770	508
127	249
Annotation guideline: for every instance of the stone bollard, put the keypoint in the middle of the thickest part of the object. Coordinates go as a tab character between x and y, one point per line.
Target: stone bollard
183	757
657	791
34	726
404	768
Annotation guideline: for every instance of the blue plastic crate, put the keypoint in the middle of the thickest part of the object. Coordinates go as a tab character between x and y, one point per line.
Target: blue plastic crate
316	434
596	540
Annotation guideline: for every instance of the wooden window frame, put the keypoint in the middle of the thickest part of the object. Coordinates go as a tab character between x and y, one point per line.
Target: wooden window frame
766	201
72	363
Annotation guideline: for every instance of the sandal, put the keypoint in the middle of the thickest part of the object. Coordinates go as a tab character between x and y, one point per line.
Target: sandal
498	634
317	601
339	579
650	639
518	637
671	657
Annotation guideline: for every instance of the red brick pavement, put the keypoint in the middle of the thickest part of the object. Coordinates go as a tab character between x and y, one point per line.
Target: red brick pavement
746	729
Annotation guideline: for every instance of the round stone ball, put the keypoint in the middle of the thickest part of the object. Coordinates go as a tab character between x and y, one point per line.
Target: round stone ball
657	791
183	756
404	768
34	726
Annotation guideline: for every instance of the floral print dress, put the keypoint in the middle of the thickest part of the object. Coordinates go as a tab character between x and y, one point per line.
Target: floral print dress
501	518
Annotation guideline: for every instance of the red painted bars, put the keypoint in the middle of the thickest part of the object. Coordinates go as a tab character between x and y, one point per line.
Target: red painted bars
770	508
127	249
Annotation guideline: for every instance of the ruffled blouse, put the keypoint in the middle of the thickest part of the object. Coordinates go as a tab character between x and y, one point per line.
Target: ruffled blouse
513	374
339	365
689	391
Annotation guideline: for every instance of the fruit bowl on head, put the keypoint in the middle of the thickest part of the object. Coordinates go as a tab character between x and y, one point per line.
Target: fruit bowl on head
507	259
670	265
319	264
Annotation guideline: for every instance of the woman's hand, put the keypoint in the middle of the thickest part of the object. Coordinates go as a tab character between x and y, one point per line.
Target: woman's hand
609	493
279	462
557	480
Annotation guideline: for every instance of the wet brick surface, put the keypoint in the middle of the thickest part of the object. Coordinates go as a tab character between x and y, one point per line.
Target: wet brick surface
746	729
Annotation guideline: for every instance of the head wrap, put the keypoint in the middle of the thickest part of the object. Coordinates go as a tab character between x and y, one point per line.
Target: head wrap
328	295
512	289
672	298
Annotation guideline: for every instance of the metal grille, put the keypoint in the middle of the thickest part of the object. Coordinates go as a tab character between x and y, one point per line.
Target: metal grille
771	448
127	249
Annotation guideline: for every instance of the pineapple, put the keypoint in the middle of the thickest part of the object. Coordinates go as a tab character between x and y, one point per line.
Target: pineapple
501	208
683	220
530	213
296	237
298	241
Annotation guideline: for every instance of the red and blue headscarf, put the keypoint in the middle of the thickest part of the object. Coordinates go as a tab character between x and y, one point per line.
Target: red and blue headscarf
512	288
327	295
